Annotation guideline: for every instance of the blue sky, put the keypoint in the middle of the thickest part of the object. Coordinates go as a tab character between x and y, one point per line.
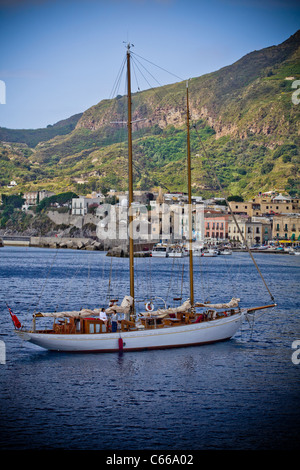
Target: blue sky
58	58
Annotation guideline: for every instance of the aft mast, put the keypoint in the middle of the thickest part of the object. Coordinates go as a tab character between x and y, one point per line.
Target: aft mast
130	180
190	216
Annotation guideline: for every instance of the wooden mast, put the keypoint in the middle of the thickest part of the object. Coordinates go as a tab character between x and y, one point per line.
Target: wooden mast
190	216
130	179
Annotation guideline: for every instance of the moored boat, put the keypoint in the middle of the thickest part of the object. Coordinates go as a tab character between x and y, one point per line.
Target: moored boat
226	252
177	251
294	252
210	253
160	251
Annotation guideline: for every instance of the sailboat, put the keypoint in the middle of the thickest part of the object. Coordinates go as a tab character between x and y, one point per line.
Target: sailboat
192	323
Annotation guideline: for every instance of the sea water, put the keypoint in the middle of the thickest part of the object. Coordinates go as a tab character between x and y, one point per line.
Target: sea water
242	394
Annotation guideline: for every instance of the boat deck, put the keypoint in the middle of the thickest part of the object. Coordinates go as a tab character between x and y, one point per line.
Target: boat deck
92	325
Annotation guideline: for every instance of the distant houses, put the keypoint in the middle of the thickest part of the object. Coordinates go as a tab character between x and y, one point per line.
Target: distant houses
81	204
32	198
12	184
280	211
266	217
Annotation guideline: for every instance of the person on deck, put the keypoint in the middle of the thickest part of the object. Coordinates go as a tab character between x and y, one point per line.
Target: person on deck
114	322
103	317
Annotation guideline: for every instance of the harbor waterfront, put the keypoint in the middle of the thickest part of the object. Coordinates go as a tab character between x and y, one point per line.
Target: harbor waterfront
236	395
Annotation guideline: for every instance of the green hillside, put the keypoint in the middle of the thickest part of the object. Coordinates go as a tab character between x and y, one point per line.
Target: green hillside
32	137
243	112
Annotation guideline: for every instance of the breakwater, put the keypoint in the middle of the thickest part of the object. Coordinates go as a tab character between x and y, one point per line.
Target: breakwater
55	242
113	247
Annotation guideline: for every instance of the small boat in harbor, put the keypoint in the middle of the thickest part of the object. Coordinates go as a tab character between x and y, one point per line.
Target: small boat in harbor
209	253
226	252
294	252
160	251
177	251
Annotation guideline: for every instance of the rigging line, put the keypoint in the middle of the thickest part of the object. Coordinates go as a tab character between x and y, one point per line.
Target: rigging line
118	79
182	279
158	94
232	214
171	278
116	88
109	280
180	276
135	61
42	291
229	269
185	278
181	79
150	274
209	283
88	279
64	288
136	79
147	281
203	289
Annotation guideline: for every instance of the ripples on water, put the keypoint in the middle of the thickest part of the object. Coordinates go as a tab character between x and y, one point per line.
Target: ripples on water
240	394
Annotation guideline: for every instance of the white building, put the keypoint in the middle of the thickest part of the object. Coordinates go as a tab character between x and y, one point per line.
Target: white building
81	204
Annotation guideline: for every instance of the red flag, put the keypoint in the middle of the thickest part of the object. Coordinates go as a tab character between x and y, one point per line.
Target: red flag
14	318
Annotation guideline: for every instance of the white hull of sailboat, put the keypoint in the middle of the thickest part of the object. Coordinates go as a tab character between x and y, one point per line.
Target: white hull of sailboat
160	338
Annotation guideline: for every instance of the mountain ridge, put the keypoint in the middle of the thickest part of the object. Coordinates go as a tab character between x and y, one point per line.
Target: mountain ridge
245	114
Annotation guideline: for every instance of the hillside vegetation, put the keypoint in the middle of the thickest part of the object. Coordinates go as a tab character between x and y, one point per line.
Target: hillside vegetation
244	114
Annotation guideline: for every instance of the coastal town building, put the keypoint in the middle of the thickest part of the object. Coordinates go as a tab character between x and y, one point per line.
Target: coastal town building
81	204
266	204
257	230
286	227
32	198
161	218
216	225
169	218
164	216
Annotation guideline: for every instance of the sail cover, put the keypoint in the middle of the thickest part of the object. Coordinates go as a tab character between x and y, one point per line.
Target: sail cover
123	308
85	312
161	313
234	303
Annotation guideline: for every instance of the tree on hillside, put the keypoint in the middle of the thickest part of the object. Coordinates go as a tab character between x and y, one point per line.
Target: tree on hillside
60	199
235	198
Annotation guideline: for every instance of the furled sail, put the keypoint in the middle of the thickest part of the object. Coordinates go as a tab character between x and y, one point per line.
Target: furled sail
161	313
234	303
85	312
123	308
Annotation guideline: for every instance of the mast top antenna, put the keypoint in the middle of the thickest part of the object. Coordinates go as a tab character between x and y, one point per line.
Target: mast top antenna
129	45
